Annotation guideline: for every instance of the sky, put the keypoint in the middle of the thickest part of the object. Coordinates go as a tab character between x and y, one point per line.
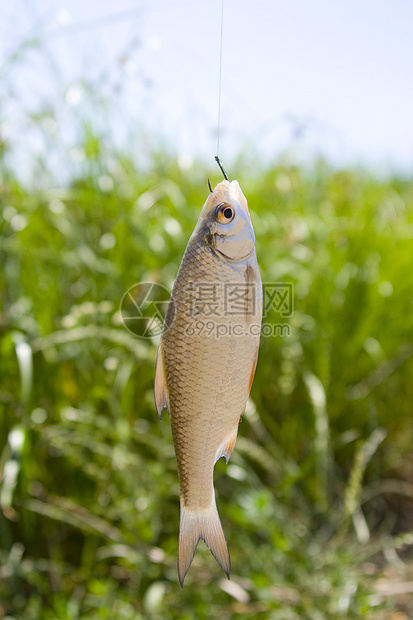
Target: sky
322	78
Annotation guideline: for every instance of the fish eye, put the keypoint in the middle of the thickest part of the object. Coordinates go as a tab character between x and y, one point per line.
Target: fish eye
225	213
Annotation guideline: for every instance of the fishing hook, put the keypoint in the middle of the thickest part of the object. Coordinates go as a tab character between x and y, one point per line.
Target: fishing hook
219	162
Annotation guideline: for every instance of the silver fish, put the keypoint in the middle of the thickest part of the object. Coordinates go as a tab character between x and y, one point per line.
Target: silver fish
207	358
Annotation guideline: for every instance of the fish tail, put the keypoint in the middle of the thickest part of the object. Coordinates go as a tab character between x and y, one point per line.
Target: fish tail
196	525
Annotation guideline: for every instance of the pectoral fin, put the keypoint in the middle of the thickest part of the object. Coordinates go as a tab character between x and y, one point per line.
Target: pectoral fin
254	366
161	389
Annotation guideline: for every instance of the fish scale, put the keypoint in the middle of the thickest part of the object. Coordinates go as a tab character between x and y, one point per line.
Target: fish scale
204	371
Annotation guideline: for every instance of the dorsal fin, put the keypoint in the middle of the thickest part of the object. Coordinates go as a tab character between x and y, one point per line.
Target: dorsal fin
161	388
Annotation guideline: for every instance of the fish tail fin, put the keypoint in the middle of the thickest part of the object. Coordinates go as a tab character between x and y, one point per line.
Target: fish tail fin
196	525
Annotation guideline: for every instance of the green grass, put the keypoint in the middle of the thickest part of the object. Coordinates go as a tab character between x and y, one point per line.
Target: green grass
316	502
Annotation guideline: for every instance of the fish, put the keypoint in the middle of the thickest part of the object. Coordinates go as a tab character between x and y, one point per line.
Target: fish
206	360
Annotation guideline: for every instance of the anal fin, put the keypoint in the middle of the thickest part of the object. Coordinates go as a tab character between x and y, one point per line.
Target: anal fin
161	389
227	446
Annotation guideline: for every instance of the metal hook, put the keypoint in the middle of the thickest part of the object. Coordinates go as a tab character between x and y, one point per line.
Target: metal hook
209	185
219	162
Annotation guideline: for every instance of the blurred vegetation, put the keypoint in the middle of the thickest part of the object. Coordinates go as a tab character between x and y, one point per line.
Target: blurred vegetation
317	499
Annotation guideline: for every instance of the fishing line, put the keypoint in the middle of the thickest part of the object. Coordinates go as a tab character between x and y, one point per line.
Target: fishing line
219	93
